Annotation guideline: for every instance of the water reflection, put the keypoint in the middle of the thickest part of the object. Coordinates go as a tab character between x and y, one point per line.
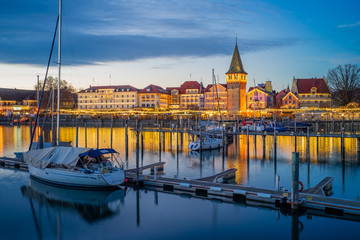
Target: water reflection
253	157
92	206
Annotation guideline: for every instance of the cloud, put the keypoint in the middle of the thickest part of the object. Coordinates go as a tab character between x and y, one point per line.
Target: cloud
118	30
349	25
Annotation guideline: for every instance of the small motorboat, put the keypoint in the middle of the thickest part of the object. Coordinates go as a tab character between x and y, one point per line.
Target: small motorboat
207	142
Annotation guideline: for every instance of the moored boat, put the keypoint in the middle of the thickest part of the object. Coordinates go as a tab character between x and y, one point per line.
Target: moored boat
207	142
75	167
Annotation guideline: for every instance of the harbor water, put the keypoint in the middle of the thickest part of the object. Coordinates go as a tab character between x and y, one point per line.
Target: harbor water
33	210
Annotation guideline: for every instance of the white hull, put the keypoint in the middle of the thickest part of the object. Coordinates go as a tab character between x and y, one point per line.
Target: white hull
80	179
206	145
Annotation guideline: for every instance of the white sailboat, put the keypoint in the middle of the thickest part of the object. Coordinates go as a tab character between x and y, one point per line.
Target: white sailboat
73	166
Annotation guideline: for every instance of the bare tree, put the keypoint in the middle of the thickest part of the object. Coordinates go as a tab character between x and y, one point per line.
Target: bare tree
344	81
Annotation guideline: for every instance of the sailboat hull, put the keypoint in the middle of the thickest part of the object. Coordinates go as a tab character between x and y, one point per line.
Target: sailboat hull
78	179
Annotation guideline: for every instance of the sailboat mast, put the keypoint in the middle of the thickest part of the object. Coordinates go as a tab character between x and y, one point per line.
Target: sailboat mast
59	66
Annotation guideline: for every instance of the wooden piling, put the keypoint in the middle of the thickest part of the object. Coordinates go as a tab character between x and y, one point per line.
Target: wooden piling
111	132
160	137
97	136
275	143
137	149
342	142
126	140
247	142
295	134
308	143
77	134
295	179
85	135
264	145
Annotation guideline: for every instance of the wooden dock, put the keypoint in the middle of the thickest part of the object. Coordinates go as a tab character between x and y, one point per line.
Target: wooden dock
313	199
8	162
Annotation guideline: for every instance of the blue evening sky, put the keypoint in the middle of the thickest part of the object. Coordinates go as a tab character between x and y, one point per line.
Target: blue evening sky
167	42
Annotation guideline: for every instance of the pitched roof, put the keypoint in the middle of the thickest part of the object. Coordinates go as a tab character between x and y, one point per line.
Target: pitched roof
260	89
7	94
153	89
117	88
236	65
304	85
208	87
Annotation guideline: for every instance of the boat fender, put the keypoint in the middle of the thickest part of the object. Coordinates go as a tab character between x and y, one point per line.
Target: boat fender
104	170
301	186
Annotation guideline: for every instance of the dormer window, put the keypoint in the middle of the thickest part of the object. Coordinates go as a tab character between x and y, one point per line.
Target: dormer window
313	90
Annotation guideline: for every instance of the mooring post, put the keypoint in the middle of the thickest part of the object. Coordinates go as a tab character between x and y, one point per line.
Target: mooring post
85	135
295	179
200	138
111	132
308	143
295	133
160	137
137	149
155	173
277	182
97	136
223	136
30	123
275	144
142	137
77	134
126	140
247	142
177	138
342	142
264	145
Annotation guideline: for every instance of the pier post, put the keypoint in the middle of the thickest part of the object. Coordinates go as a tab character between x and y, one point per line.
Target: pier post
275	144
223	136
247	141
97	136
111	132
126	139
30	122
277	182
201	140
317	127
142	137
177	138
308	144
295	133
264	145
137	149
342	142
85	135
160	138
295	179
77	134
155	173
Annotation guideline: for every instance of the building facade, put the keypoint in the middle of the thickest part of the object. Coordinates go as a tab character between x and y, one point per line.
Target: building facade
17	101
154	97
216	97
312	92
236	79
258	98
108	97
192	95
287	99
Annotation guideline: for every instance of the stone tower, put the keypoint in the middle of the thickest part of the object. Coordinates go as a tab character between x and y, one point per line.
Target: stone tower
236	79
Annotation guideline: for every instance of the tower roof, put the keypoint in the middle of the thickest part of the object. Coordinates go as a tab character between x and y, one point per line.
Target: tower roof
236	65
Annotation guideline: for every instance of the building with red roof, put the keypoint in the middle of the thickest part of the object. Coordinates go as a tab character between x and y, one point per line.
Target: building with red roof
190	95
154	96
108	97
216	97
312	92
287	99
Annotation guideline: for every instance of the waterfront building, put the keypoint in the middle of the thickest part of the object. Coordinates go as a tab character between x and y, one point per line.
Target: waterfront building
17	101
192	95
236	79
312	92
287	99
174	101
108	97
154	97
216	97
259	98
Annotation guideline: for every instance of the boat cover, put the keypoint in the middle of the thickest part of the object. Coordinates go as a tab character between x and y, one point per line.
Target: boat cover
98	152
66	156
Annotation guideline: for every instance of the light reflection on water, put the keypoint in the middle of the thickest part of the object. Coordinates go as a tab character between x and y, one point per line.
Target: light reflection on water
46	212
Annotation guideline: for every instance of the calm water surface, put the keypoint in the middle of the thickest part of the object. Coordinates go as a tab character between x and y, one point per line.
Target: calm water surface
32	210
